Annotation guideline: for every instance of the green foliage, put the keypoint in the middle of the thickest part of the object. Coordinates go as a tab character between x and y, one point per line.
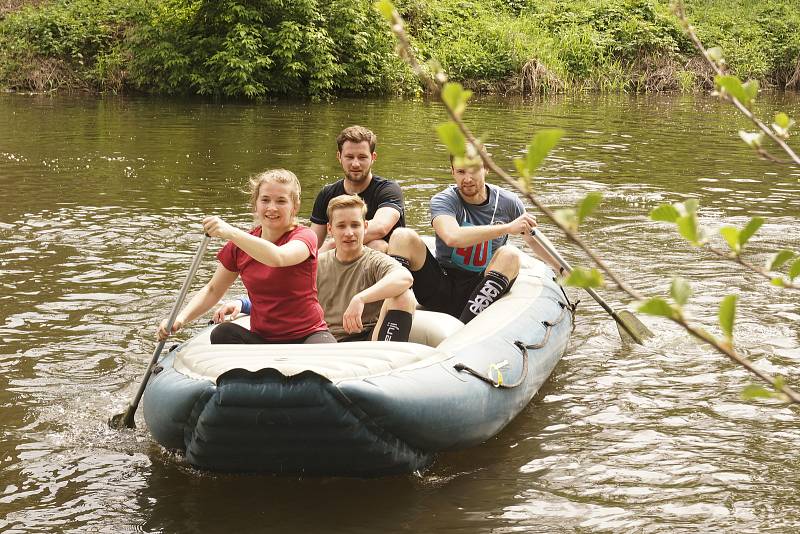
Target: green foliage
781	124
727	316
585	278
453	139
258	48
685	217
455	97
760	39
736	238
80	40
587	206
733	86
689	229
665	213
794	270
568	218
658	307
778	259
385	8
680	290
753	392
540	146
238	48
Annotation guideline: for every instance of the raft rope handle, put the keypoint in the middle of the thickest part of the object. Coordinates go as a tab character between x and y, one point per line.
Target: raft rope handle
499	383
523	348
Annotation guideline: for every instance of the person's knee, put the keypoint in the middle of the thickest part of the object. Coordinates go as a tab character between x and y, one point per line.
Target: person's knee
223	333
379	244
403	239
505	261
405	301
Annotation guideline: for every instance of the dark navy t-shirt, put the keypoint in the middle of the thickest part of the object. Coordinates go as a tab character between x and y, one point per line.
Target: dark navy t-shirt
379	193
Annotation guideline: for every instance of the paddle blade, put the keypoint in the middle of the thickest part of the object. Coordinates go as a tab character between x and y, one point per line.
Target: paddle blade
123	420
631	328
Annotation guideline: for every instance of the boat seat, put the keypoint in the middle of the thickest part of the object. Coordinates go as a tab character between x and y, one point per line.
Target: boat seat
428	328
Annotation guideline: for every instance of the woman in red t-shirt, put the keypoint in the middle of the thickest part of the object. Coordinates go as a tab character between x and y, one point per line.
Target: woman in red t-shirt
277	261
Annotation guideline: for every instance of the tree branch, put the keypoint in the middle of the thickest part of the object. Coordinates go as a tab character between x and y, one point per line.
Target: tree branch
436	83
680	12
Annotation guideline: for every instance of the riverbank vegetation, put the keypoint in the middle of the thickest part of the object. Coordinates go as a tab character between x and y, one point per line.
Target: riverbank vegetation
306	48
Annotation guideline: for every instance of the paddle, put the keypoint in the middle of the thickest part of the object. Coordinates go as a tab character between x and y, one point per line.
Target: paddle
125	419
630	328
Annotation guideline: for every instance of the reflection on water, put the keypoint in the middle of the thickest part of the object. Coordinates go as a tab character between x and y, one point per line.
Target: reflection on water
100	218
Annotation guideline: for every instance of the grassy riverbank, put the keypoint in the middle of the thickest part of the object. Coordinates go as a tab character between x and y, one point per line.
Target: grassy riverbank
259	48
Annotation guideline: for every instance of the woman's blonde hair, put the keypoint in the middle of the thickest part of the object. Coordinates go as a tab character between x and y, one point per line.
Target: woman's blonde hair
276	176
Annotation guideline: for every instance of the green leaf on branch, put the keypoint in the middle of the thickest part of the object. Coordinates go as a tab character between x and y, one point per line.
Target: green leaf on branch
385	8
782	120
568	218
727	316
585	278
456	97
752	139
659	307
731	236
715	54
778	282
588	205
687	227
750	229
781	124
794	270
666	213
751	90
778	259
522	169
778	383
680	291
453	139
753	392
733	87
524	183
540	146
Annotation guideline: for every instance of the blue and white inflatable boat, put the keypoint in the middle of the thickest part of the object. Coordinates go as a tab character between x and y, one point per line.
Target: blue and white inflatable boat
362	408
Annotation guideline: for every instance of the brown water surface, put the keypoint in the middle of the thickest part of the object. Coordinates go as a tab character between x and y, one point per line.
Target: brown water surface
99	219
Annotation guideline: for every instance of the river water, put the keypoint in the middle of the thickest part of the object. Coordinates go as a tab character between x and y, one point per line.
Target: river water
99	219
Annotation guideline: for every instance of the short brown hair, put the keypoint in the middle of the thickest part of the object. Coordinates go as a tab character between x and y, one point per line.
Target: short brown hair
346	201
356	134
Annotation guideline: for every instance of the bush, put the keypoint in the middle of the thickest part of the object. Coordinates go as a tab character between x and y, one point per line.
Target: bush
261	47
311	48
75	43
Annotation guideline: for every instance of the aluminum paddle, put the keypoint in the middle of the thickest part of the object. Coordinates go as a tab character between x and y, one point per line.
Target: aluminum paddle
125	419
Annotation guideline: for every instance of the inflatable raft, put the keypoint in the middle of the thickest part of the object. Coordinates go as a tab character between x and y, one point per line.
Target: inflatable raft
362	408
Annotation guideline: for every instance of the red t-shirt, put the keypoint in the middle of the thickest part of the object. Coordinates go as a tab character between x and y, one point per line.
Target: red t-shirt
284	299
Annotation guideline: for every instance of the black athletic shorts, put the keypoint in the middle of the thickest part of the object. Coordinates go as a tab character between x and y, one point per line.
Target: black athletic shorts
444	289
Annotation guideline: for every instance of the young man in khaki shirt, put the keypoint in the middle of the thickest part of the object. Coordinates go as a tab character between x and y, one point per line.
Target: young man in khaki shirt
364	293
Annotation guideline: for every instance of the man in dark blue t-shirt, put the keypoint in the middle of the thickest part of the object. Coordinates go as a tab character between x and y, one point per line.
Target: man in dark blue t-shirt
384	199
